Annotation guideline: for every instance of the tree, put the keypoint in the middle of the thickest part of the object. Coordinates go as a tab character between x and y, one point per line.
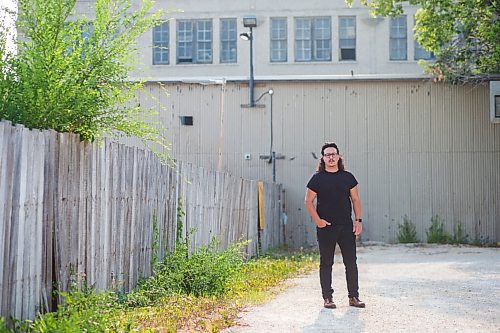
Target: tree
464	35
70	72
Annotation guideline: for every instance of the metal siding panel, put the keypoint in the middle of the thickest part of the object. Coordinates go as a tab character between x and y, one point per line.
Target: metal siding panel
335	114
355	110
419	181
416	148
377	204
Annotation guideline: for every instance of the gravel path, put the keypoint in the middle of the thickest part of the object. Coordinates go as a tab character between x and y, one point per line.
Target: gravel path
406	288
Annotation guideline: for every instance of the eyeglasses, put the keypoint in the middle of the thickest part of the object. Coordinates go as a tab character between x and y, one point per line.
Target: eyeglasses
331	155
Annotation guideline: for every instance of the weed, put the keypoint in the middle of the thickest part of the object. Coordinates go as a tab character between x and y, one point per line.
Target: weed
179	219
407	231
458	235
477	242
205	272
85	310
3	326
199	291
156	242
436	232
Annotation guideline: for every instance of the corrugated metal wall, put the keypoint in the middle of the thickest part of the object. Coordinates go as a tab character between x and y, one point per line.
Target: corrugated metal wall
417	148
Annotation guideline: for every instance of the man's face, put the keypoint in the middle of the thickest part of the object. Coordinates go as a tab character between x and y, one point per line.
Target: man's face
330	156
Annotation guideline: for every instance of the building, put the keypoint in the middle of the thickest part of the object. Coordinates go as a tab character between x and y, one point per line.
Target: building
325	72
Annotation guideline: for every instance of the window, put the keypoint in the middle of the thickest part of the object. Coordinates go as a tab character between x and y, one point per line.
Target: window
347	37
194	41
313	39
87	30
279	45
228	40
160	44
397	42
186	120
497	106
421	53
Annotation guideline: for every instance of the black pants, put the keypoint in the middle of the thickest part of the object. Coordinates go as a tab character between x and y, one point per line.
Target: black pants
328	238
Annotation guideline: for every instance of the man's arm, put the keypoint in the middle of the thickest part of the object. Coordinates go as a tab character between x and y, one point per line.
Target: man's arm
309	202
356	205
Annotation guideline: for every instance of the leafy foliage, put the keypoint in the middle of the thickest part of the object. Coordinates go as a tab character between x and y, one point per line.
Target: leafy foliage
198	291
70	72
464	35
214	313
3	326
458	235
436	232
205	272
83	311
276	265
407	231
88	310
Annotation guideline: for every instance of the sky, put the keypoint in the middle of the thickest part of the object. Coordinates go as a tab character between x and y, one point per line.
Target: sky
8	21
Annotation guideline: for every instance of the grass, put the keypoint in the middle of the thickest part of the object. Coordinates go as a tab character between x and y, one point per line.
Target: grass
407	231
252	285
166	310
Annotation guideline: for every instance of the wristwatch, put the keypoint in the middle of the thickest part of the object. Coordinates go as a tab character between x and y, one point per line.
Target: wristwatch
359	220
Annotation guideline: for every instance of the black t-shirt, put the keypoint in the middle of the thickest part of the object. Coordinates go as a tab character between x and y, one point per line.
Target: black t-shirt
333	202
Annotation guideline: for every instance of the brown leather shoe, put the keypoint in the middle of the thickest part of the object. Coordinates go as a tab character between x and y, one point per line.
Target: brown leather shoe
354	301
329	303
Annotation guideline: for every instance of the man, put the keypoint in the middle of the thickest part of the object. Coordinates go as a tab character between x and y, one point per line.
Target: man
336	194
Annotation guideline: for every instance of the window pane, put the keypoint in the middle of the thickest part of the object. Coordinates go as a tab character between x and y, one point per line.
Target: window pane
322	28
497	106
279	45
87	31
322	39
397	41
421	53
204	41
228	40
313	39
323	50
160	44
303	50
194	41
303	39
347	37
303	29
185	42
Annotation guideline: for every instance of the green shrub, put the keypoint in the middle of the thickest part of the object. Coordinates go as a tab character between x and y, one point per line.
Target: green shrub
70	72
3	326
458	235
407	231
82	311
436	232
205	272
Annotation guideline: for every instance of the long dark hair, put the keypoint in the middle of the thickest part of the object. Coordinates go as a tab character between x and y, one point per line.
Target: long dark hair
321	166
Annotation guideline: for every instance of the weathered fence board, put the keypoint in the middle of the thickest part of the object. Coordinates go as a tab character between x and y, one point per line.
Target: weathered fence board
72	211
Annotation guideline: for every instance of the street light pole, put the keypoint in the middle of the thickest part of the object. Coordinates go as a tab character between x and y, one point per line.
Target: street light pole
250	22
251	83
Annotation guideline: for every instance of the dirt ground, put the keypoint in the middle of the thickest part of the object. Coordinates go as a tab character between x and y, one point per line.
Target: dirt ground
406	288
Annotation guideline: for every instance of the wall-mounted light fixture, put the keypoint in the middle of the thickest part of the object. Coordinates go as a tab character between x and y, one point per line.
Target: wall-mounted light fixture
271	158
250	22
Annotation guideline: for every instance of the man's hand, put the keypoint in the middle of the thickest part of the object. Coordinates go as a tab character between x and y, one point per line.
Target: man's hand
322	223
357	228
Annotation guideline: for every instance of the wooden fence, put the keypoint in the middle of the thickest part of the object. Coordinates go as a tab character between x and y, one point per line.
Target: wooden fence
71	209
